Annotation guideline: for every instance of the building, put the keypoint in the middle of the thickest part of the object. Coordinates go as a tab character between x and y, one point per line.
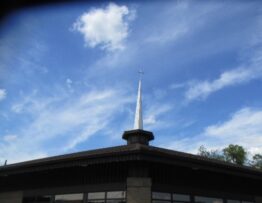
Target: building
132	173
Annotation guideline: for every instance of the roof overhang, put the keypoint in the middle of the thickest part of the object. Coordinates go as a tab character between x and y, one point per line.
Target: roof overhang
129	153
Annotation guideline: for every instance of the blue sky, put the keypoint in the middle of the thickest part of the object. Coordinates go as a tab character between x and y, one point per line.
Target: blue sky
68	76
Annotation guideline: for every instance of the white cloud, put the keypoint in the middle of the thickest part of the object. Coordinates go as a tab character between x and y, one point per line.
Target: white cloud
202	89
153	113
72	120
2	94
178	85
107	28
249	69
188	145
243	128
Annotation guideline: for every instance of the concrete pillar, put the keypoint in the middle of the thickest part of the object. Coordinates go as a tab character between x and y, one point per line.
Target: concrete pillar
11	197
138	190
258	199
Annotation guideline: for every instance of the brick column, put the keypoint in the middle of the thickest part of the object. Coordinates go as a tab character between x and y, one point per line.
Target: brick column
138	190
11	197
258	199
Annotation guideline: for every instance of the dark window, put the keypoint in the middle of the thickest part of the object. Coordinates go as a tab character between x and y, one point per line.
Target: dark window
161	196
161	201
69	198
116	195
233	201
38	199
108	197
115	201
92	197
238	201
44	199
199	199
181	198
96	195
96	201
29	200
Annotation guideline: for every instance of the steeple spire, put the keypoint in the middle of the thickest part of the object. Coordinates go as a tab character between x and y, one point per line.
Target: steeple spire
139	115
138	135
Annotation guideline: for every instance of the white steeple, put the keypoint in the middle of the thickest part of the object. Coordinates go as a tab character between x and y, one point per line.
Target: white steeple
138	135
139	117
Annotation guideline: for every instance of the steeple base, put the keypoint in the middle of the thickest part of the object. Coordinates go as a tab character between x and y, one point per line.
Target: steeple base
138	136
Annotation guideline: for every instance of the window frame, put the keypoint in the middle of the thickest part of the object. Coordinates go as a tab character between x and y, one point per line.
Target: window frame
192	198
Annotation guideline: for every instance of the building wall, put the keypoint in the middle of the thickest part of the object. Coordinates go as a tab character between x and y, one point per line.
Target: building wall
138	190
258	199
11	197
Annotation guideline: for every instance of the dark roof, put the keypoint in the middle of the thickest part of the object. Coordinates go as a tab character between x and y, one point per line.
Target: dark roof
132	152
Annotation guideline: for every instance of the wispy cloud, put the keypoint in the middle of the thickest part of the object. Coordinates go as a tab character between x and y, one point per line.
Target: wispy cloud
242	128
171	30
70	120
105	27
202	89
178	20
2	94
249	68
153	114
178	85
63	122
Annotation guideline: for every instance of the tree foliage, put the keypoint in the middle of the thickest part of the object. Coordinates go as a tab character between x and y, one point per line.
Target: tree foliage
235	154
213	154
257	161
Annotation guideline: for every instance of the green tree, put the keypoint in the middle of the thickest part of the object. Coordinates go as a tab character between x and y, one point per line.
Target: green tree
235	154
257	161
